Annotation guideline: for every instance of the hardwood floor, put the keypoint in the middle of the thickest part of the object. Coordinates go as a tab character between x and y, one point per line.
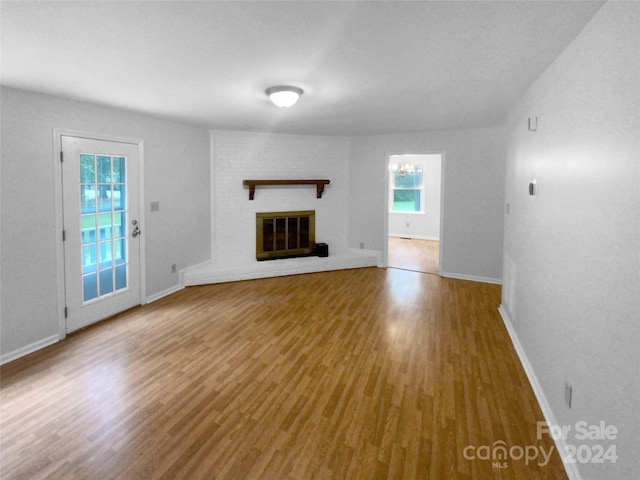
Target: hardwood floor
355	374
414	254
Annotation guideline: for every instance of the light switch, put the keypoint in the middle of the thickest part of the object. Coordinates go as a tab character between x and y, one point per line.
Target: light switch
155	206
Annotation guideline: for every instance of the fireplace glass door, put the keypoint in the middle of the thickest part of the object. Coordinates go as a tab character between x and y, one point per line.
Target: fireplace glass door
285	234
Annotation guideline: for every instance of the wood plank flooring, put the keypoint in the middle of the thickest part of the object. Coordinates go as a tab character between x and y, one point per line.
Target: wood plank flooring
414	254
355	374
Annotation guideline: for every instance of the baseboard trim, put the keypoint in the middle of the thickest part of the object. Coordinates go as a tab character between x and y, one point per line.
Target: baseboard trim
369	253
416	237
164	293
27	349
473	278
561	444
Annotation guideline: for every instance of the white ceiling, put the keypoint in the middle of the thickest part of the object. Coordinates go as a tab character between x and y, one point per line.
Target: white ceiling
366	67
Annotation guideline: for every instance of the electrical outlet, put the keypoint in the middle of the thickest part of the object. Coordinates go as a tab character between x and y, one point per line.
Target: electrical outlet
361	245
568	391
408	225
155	206
174	268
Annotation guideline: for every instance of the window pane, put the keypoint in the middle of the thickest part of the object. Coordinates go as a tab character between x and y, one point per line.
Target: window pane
106	250
88	228
104	220
119	170
89	287
87	168
104	169
119	224
121	277
104	198
406	200
89	258
119	197
407	176
87	198
106	281
121	251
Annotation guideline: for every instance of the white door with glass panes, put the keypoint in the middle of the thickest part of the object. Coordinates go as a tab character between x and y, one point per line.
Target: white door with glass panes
101	229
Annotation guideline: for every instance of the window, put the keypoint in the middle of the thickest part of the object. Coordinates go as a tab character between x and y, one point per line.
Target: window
407	188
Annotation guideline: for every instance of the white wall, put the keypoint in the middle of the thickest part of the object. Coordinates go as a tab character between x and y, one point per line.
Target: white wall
572	254
424	225
237	156
473	162
176	175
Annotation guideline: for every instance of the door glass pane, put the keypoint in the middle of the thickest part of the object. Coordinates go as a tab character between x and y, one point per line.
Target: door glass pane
104	197
104	232
119	224
121	251
119	197
87	198
106	225
88	228
89	287
87	168
106	281
121	277
89	263
106	250
104	169
119	172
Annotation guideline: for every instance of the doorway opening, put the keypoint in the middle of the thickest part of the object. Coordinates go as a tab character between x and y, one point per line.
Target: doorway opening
414	213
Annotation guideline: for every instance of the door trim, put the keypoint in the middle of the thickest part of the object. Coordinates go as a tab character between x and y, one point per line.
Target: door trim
58	133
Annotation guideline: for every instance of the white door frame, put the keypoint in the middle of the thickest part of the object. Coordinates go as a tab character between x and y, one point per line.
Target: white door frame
59	217
441	244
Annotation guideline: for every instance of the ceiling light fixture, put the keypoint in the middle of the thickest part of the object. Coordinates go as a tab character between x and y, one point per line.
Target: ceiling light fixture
284	95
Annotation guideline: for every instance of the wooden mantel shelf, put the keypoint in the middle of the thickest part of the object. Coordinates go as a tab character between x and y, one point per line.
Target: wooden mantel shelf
318	183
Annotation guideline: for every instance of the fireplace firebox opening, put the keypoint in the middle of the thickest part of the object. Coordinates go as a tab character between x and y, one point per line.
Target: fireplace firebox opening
285	234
